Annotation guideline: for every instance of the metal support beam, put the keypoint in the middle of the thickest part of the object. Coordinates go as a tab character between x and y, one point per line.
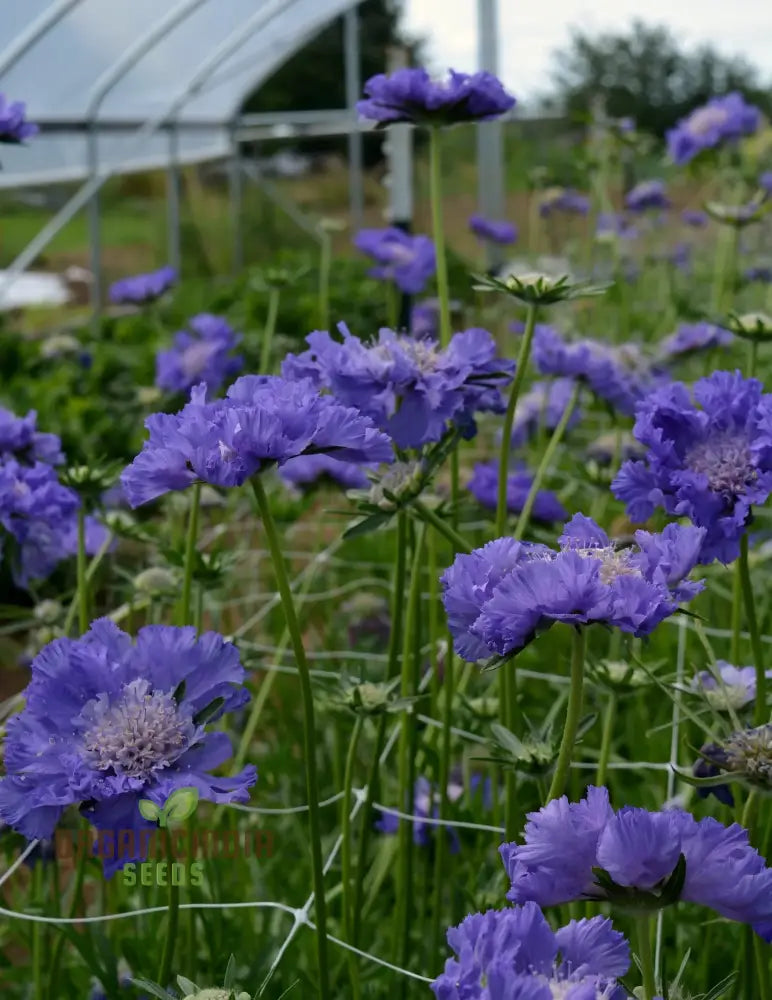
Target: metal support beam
490	146
94	230
41	25
236	199
353	73
174	251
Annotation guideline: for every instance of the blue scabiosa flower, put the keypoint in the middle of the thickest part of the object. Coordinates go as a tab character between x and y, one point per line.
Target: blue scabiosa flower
411	388
202	353
492	231
647	195
694	217
108	721
14	127
614	225
514	954
744	756
411	95
709	458
692	337
499	597
408	261
765	181
143	288
639	859
727	687
543	406
722	119
306	471
759	272
619	375
263	421
484	486
20	439
566	200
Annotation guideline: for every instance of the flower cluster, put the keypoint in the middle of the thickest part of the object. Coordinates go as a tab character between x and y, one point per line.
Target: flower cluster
514	954
692	337
694	217
263	421
411	95
647	195
709	458
14	127
108	721
201	353
722	119
501	232
411	388
557	199
484	486
408	261
638	859
619	375
20	439
727	687
499	597
143	288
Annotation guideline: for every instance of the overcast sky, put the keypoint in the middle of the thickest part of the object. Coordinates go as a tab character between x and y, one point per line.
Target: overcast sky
530	31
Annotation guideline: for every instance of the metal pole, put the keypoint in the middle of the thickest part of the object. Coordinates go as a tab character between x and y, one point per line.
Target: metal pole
235	191
490	145
352	69
94	229
398	149
173	201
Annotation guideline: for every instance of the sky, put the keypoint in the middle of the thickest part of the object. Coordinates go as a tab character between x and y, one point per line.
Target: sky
529	32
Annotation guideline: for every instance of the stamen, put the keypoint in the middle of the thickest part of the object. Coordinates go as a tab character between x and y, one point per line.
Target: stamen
725	460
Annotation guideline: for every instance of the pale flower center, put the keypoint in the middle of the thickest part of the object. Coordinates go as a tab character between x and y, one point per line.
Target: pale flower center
702	121
613	562
196	357
725	460
750	752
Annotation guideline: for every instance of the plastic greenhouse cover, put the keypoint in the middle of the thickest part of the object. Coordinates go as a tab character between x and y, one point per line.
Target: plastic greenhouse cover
60	74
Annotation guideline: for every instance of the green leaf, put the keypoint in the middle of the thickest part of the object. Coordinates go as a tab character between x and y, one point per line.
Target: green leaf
179	691
229	981
208	712
367	525
152	988
187	986
181	804
149	810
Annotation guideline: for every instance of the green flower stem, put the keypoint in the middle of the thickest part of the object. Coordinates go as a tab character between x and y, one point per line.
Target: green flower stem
546	462
760	714
509	417
37	935
309	730
345	851
268	331
366	828
397	598
392	310
54	986
408	688
737	611
80	570
753	356
94	565
325	258
441	845
645	958
605	741
438	230
190	555
442	527
573	714
173	918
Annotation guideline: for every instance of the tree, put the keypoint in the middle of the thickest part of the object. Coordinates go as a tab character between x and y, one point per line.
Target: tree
646	75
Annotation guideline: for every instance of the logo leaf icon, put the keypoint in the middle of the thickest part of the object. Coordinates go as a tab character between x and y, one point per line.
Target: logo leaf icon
149	810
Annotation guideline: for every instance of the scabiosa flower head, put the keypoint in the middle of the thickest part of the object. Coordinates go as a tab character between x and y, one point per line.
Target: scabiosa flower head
709	458
614	225
759	272
691	337
726	687
619	375
765	181
558	199
202	353
411	95
484	486
306	471
20	439
108	721
637	859
263	421
500	232
543	406
647	195
694	217
746	754
412	388
426	807
499	597
722	119
142	288
514	954
408	261
14	127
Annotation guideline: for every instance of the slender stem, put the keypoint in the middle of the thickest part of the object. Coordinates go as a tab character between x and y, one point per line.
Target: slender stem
605	741
546	462
345	850
737	612
441	845
753	356
509	417
397	599
90	573
54	986
37	933
269	330
760	714
309	730
80	570
573	714
325	255
364	838
427	514
438	229
644	956
190	554
170	941
407	690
